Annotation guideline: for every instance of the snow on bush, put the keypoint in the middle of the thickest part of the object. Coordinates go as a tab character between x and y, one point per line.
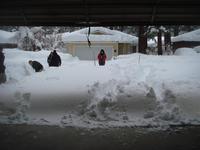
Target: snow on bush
25	38
185	51
36	39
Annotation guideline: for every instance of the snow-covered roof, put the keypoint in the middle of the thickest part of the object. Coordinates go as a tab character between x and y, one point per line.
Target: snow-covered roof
6	37
190	36
99	34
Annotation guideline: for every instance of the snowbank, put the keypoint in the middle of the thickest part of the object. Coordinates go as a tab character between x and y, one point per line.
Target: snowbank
131	90
185	52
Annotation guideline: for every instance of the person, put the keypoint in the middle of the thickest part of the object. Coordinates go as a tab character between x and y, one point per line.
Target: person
2	67
102	58
36	65
54	59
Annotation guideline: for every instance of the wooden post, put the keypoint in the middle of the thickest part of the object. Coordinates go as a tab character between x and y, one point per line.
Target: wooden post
142	40
160	42
2	67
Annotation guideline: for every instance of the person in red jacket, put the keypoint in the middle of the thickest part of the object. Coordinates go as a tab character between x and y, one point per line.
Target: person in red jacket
102	58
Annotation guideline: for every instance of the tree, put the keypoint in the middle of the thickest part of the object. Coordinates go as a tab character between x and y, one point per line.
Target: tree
160	52
156	31
142	40
167	41
25	39
39	37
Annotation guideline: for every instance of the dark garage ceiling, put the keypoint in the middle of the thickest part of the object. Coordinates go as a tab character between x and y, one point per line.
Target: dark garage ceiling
99	12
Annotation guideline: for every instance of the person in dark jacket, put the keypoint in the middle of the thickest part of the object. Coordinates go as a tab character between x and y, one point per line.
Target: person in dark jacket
36	65
54	59
2	67
102	58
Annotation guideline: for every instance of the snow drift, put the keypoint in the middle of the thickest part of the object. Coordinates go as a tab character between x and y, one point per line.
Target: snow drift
185	51
131	90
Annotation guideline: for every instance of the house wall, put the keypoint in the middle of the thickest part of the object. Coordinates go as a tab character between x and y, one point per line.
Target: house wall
71	47
118	48
126	48
8	45
189	44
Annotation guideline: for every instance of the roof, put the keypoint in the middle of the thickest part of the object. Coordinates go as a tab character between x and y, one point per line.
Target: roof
7	37
189	36
99	12
99	34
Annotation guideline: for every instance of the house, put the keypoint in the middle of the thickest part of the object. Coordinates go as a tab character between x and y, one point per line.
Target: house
190	39
113	42
7	39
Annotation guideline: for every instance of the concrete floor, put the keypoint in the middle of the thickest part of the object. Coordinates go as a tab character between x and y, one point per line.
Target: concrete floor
32	137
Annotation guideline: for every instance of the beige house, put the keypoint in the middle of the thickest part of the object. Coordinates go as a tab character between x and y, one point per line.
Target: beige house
113	42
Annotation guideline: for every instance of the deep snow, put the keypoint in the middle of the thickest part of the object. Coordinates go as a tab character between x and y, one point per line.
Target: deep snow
129	90
185	51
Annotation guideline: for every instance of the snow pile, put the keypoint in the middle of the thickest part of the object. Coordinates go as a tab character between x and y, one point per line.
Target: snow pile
23	104
145	94
131	90
99	34
190	36
185	51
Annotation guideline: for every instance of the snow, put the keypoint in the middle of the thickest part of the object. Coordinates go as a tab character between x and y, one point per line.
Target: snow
6	37
36	29
190	36
152	43
185	51
197	49
99	34
130	90
23	32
